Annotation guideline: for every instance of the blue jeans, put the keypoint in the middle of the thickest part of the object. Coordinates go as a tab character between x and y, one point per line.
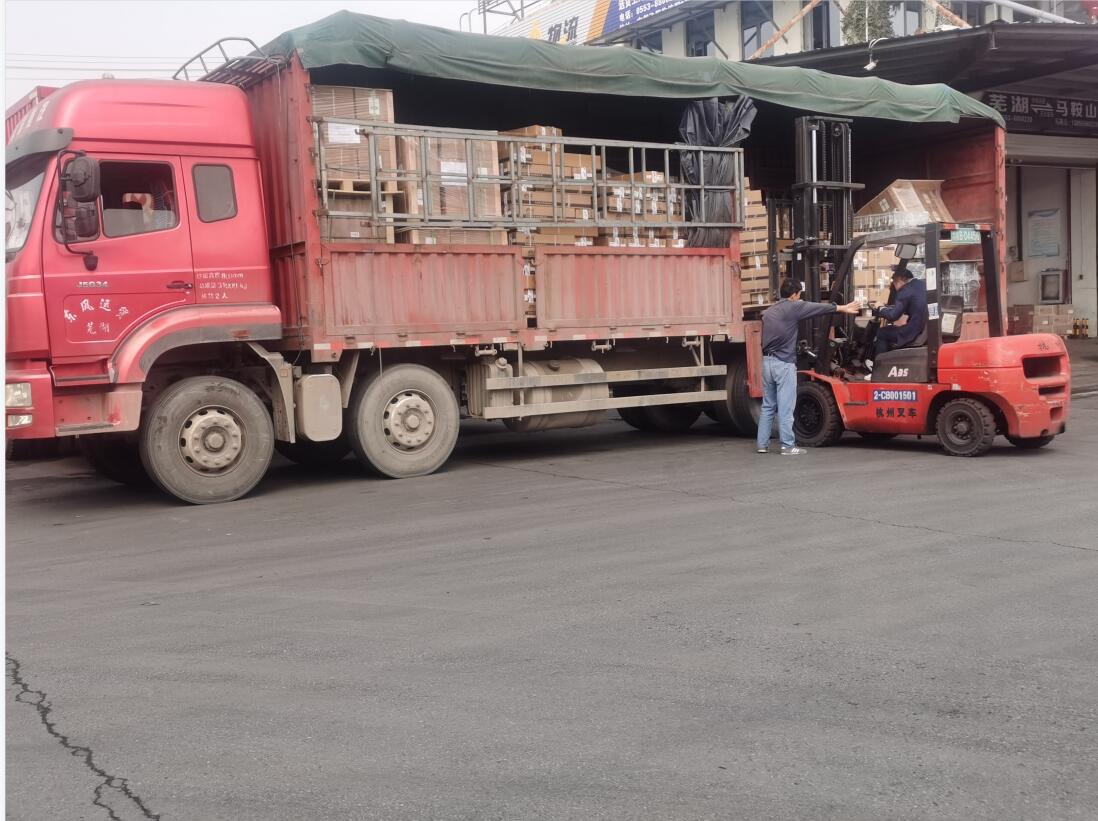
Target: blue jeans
779	394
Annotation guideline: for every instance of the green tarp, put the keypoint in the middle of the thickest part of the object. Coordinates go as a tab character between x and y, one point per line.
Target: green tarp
345	38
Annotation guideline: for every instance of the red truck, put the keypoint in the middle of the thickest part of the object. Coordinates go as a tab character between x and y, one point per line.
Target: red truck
175	301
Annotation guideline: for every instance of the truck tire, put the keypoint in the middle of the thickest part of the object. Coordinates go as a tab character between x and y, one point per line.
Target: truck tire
1031	442
315	454
739	412
671	418
207	439
816	419
403	422
114	457
965	427
636	417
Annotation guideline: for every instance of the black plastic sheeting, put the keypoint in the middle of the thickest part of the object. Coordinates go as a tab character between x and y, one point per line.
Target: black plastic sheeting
718	124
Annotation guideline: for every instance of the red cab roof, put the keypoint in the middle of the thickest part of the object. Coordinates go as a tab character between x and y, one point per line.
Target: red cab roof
148	111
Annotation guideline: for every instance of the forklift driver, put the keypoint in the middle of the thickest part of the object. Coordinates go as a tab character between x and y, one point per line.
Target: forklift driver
910	301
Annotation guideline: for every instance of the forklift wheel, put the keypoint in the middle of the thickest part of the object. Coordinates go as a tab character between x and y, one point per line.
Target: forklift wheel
1031	443
966	427
816	419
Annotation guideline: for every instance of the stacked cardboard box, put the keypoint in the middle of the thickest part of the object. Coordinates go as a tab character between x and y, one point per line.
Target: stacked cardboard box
548	162
345	152
361	227
536	201
754	260
872	273
633	197
641	237
447	195
452	236
1041	319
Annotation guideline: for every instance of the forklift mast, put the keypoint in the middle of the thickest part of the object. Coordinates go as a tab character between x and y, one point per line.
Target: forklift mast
822	219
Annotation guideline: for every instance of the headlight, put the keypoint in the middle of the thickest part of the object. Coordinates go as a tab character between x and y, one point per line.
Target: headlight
17	395
20	420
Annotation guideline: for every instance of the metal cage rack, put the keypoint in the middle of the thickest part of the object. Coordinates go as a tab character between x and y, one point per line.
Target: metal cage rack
594	182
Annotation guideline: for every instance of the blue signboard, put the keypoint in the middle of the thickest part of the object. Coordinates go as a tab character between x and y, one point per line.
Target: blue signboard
625	13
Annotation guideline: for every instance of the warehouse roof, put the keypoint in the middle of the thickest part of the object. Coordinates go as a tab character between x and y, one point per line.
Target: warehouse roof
992	56
345	38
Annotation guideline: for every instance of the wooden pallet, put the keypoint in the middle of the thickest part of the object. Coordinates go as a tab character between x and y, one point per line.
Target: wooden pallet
360	187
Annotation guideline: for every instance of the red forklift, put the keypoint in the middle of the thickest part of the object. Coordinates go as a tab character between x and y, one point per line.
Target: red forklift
965	390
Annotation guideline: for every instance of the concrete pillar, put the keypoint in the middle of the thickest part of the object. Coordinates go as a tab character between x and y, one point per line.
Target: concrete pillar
674	40
792	42
727	31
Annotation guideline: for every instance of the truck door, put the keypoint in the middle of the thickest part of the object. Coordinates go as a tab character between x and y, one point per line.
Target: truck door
224	205
144	260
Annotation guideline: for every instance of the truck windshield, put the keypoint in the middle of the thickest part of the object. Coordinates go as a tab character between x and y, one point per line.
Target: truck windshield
24	183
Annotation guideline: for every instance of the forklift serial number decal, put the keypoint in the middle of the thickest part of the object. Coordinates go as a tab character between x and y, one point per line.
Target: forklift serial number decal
895	396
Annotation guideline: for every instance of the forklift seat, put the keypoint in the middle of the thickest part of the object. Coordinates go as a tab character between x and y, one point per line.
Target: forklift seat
903	364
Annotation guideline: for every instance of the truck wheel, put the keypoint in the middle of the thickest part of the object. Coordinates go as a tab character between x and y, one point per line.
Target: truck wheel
207	439
671	418
816	419
115	457
965	427
315	454
739	412
636	417
403	422
1030	443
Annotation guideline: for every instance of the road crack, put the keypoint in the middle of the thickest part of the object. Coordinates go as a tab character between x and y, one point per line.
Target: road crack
44	707
809	511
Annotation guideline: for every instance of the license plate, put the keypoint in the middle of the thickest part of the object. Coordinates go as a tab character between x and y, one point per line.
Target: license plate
967	235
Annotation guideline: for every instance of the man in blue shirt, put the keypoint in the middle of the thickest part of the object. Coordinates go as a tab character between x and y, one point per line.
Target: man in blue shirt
779	345
910	301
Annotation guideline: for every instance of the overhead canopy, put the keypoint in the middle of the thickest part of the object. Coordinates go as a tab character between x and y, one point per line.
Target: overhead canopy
345	38
1053	58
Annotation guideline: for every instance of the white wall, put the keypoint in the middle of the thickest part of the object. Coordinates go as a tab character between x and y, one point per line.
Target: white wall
674	40
1084	228
792	41
727	32
1042	189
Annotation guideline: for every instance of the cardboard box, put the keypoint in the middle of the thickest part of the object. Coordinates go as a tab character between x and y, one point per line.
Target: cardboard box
534	131
571	235
543	194
549	157
357	228
642	177
452	236
345	152
903	204
448	194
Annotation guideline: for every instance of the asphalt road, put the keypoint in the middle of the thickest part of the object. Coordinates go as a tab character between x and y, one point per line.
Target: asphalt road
575	625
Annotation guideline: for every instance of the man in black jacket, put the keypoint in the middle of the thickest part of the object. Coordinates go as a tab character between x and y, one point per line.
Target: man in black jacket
779	344
910	301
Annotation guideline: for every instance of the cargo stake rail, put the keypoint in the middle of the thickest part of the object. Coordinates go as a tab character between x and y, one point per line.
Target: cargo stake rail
593	183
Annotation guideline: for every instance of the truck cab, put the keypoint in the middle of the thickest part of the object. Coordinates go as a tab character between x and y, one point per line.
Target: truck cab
169	250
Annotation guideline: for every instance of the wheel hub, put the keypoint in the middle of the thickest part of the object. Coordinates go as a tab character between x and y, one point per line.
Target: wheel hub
962	427
211	440
409	420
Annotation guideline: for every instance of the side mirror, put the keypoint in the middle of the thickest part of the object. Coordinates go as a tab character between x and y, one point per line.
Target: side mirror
83	225
82	175
906	251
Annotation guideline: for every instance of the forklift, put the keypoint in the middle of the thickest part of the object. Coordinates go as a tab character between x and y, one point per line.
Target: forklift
966	392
